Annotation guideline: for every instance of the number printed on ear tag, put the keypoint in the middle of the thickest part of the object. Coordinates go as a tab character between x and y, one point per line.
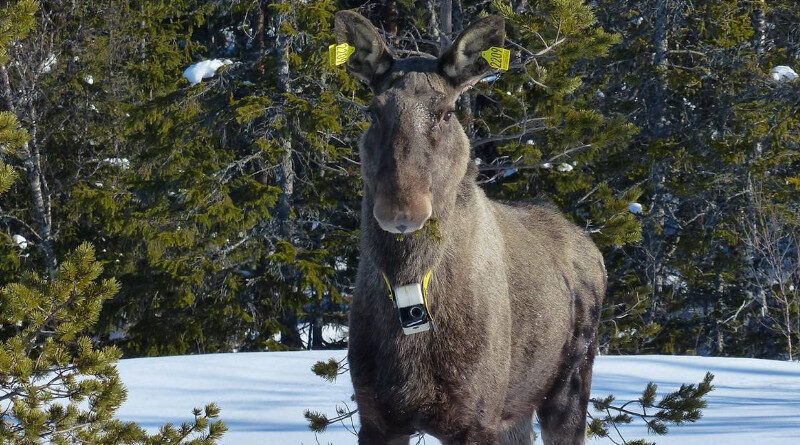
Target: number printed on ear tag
338	54
497	57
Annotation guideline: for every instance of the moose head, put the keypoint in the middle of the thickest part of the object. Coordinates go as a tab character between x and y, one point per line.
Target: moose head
415	153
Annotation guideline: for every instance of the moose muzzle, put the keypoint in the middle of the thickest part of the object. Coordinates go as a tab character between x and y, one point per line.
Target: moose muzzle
402	215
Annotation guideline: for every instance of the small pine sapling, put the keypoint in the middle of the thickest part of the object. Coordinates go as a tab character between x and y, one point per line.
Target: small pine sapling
56	386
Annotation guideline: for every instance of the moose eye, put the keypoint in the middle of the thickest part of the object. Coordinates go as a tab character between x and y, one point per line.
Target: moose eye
447	115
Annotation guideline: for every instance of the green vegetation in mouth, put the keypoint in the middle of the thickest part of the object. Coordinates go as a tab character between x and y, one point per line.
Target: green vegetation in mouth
431	229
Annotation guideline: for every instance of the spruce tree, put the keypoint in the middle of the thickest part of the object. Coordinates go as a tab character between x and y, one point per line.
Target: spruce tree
56	385
239	223
229	209
697	81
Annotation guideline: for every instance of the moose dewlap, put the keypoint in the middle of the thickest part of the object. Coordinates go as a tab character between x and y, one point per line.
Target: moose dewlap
513	293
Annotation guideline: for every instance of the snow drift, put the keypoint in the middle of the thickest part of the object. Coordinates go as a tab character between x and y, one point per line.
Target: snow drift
263	395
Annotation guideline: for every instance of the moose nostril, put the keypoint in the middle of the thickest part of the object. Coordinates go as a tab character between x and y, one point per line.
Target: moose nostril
402	228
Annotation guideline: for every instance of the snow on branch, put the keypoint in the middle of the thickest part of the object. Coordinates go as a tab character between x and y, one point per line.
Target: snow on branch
204	69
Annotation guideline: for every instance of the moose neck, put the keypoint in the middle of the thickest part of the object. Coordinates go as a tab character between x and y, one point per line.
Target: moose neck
443	239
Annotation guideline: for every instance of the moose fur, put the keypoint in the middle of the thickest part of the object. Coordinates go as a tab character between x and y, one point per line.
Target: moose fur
516	290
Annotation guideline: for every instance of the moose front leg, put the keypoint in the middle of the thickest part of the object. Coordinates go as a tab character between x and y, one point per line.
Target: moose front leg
483	435
375	430
370	435
562	416
477	435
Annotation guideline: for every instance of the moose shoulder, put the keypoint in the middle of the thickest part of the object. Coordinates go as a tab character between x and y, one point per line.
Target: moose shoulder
512	292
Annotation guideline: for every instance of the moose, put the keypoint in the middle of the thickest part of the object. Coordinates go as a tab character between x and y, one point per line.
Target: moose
512	293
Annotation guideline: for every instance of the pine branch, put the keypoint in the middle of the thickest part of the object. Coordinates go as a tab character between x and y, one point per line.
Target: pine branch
682	406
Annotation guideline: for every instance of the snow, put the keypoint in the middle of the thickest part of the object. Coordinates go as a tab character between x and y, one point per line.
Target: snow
20	241
331	333
783	73
89	79
49	63
674	280
263	395
230	40
123	163
509	171
635	208
564	167
204	69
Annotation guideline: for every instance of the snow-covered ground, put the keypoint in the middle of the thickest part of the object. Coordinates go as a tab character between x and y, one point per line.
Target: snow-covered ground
263	395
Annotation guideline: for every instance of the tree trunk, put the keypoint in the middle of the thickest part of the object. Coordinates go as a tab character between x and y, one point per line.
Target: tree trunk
658	107
657	111
458	18
317	324
467	100
760	28
290	335
32	161
259	37
41	206
720	337
753	289
6	89
433	24
446	25
788	323
388	17
285	177
286	171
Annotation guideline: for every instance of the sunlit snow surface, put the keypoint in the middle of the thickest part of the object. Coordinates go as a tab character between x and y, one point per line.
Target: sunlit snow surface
263	395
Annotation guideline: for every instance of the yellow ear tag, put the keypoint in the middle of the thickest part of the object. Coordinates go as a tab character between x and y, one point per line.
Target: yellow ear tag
338	54
497	57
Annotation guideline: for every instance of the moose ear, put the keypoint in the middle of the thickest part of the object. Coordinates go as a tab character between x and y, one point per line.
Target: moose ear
463	64
371	59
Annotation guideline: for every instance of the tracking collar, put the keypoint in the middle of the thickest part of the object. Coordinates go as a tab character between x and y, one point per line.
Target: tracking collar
411	302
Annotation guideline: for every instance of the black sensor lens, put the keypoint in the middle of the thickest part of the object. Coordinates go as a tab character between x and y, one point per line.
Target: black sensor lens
411	316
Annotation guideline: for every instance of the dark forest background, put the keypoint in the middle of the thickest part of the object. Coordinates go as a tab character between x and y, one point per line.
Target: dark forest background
228	210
